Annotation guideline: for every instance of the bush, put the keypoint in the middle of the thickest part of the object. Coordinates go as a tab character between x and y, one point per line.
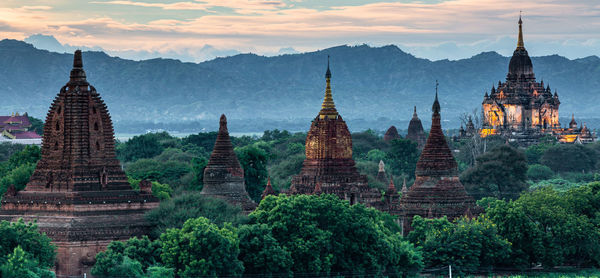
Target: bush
326	235
174	212
537	172
200	248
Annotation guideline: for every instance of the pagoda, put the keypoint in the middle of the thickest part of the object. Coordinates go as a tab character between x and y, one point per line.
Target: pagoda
391	134
78	193
523	110
223	175
437	191
415	131
329	162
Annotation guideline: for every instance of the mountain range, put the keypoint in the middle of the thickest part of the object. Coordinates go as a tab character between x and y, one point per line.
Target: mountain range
372	86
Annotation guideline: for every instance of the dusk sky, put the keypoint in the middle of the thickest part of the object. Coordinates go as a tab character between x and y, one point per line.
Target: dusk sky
189	29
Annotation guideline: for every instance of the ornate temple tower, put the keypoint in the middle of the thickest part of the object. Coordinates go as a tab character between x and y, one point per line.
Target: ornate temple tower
78	193
415	131
437	191
521	102
223	175
329	160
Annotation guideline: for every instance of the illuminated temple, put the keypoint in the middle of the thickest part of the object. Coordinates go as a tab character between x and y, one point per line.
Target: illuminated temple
329	167
522	109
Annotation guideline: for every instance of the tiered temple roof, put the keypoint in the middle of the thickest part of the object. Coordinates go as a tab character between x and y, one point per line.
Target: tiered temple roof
391	134
329	162
437	191
223	175
268	190
415	130
78	193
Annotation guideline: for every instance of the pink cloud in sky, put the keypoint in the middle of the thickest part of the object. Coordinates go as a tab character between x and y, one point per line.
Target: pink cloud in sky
263	26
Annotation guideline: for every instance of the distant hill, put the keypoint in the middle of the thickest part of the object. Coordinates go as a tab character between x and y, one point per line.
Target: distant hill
369	83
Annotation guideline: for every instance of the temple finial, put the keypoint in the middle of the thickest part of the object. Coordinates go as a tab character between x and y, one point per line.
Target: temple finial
520	44
77	76
436	104
77	60
328	72
328	107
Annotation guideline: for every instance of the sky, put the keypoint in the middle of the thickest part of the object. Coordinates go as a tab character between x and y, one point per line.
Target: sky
196	30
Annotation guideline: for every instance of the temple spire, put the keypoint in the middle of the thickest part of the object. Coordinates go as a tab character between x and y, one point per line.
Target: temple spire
328	107
77	76
415	112
436	104
520	44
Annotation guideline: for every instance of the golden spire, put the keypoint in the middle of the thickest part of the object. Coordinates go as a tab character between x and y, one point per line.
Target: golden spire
328	107
520	44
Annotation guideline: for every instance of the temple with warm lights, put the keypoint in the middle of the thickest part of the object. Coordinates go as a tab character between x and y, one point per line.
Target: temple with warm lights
522	109
329	167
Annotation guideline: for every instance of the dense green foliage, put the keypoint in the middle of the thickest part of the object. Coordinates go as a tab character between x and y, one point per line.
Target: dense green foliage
201	248
501	172
569	158
466	244
261	253
174	212
550	227
24	252
326	235
127	259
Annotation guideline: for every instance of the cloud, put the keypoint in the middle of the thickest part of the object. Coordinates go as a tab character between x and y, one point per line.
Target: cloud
453	29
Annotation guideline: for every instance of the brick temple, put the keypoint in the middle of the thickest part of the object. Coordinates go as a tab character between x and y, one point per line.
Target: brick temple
223	175
437	191
78	194
415	131
329	167
391	134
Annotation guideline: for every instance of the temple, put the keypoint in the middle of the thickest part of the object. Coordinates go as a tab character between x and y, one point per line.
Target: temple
437	191
78	193
391	134
415	131
522	109
223	175
329	166
15	129
268	190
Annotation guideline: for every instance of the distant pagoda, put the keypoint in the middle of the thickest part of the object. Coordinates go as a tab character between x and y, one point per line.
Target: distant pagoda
437	191
329	167
78	193
391	134
522	109
223	175
415	131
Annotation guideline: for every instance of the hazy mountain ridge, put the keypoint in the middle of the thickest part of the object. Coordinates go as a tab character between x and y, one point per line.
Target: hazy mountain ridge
368	83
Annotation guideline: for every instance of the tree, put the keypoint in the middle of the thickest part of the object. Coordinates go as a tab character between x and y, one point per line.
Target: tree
127	259
174	212
402	157
20	265
254	163
37	125
29	239
262	253
569	158
467	244
537	172
326	235
500	172
145	146
19	177
201	248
